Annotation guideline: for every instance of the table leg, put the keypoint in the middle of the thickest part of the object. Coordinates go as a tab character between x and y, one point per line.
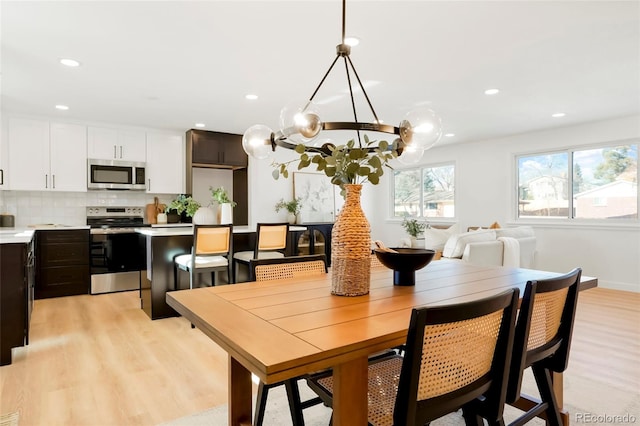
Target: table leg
239	394
350	393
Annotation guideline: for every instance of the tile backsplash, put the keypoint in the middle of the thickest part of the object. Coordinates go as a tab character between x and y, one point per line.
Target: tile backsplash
67	208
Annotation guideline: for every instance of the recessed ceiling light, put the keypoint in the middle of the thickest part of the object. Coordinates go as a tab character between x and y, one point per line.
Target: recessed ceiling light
199	124
449	135
491	91
351	41
69	62
558	114
251	97
62	107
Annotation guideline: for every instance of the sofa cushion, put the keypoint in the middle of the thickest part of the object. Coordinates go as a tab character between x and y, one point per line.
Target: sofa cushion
517	232
454	247
435	239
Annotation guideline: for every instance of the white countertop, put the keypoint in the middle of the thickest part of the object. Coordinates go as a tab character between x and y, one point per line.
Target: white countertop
187	229
16	235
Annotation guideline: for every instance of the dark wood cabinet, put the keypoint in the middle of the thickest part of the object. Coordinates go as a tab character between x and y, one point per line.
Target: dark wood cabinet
216	149
315	240
62	263
16	297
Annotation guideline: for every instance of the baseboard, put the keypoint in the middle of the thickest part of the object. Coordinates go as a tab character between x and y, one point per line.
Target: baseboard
615	285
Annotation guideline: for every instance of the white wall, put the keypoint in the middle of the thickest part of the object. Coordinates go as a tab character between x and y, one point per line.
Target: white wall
485	193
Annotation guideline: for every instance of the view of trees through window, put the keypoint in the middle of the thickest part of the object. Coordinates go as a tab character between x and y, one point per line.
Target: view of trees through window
425	192
598	183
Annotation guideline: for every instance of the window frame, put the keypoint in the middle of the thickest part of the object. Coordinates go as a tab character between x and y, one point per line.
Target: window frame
567	220
421	167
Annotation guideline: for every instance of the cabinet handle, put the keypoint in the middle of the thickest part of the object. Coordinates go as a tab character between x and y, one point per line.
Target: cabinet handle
1	177
120	151
149	185
53	178
46	181
115	155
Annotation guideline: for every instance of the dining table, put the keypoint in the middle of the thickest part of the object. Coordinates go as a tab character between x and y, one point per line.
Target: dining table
286	328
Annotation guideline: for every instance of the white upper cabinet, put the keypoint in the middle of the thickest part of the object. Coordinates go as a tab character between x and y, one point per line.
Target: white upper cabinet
116	144
47	156
165	163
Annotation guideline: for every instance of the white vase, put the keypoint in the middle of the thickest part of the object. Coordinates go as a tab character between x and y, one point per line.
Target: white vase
225	213
204	216
291	217
162	218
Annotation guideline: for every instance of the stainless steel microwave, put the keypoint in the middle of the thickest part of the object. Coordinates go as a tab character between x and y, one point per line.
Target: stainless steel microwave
111	174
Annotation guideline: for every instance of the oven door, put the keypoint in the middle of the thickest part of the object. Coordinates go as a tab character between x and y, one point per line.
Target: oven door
116	260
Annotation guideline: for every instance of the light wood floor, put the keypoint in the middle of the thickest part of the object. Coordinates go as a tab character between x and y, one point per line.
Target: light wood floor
99	360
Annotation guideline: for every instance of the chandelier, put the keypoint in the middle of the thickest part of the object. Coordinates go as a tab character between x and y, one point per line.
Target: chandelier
301	125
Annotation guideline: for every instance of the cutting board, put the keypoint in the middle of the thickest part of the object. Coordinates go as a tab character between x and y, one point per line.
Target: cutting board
152	210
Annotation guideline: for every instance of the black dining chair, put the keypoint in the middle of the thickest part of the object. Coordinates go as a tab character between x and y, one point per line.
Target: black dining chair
457	357
542	341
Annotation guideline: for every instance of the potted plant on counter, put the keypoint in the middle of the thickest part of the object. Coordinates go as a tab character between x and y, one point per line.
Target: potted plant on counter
184	206
414	228
292	207
225	204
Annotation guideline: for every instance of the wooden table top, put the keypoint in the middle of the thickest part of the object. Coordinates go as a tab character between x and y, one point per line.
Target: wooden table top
284	328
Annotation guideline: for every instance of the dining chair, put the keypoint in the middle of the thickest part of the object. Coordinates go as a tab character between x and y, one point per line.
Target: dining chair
287	267
542	341
457	356
271	242
282	268
211	252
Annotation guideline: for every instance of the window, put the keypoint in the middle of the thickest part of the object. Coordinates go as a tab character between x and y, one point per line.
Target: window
426	192
596	183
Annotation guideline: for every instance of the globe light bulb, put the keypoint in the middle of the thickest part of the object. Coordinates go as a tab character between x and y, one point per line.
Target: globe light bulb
411	154
421	128
300	121
256	141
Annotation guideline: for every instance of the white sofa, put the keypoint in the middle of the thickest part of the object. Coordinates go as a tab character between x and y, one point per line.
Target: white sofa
512	247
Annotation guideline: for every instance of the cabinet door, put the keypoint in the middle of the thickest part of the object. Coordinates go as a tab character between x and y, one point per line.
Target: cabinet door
131	145
29	154
165	163
102	143
232	153
68	159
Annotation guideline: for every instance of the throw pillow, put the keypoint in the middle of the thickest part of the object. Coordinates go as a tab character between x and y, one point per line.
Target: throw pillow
435	239
455	245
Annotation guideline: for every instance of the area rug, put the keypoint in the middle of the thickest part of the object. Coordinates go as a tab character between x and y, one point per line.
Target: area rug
588	402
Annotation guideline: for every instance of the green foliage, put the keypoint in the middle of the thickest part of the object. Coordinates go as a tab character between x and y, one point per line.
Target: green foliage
183	203
221	196
344	164
616	161
413	227
292	206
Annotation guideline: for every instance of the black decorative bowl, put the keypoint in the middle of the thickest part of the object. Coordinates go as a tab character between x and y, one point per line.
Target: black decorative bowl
405	263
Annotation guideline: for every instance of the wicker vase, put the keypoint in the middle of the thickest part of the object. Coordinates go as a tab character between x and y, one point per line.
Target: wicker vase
351	248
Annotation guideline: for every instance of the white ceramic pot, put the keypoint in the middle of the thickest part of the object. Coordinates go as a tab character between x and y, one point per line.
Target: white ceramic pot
162	218
204	216
291	218
225	213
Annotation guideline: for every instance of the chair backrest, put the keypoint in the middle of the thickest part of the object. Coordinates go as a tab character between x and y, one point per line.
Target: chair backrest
212	239
544	327
454	354
287	267
271	237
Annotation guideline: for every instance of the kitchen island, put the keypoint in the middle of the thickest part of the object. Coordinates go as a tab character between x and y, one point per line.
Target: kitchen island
163	244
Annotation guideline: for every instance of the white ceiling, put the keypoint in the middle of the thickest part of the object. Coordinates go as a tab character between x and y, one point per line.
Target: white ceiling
174	63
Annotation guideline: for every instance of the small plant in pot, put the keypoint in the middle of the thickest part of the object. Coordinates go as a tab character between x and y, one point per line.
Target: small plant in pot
414	228
184	206
221	196
292	207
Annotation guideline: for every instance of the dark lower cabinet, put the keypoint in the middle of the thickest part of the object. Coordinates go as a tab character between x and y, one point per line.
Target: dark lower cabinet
62	263
16	297
315	240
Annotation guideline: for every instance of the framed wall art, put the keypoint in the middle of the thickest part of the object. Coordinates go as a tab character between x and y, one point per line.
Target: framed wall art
318	197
